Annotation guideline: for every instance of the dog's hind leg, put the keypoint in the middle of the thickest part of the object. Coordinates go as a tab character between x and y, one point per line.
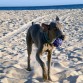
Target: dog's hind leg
29	49
41	63
49	62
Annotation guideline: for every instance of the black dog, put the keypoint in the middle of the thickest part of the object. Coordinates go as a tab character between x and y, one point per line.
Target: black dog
42	36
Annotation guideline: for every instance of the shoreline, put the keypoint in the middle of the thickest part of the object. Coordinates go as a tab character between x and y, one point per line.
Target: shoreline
55	7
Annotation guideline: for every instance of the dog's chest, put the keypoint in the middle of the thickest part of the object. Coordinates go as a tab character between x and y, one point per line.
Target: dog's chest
47	47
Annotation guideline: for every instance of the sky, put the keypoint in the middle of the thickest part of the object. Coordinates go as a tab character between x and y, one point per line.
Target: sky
38	2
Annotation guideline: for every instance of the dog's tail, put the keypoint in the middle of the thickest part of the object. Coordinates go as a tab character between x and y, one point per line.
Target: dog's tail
57	18
32	23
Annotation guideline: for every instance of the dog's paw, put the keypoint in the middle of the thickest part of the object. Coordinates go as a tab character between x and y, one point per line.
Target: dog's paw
49	79
45	77
28	69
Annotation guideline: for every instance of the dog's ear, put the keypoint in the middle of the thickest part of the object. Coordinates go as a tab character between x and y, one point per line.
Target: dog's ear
57	18
45	27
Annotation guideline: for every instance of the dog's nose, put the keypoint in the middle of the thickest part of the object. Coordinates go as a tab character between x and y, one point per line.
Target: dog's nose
62	37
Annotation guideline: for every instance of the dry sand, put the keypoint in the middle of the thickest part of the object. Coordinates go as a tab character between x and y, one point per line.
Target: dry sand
67	61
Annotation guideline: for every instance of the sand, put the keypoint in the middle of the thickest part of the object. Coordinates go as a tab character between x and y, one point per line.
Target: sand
67	61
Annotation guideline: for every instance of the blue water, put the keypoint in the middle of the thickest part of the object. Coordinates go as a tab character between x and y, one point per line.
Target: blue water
76	6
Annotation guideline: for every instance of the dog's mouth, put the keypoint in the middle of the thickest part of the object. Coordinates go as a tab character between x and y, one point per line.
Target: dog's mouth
58	41
62	37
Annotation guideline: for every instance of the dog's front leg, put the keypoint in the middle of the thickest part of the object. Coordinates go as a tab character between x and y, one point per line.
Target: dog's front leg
41	63
49	62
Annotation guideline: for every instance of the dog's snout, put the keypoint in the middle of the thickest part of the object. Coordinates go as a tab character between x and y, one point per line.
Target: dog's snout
62	37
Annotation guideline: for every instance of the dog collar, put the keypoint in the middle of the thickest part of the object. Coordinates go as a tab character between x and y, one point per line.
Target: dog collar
56	42
47	38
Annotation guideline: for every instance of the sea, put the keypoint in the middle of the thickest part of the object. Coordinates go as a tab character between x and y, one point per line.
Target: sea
74	6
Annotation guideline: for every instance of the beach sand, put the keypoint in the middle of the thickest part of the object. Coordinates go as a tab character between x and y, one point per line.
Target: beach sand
67	61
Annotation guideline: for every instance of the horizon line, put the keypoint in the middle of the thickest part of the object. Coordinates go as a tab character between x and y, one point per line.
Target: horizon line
41	5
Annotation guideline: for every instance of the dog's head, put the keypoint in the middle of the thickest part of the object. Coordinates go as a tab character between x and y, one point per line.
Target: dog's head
55	29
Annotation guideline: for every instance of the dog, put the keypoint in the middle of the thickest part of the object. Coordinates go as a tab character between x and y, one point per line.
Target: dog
42	36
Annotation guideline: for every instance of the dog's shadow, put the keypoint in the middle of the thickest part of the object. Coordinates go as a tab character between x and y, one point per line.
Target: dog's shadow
40	79
29	78
34	80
